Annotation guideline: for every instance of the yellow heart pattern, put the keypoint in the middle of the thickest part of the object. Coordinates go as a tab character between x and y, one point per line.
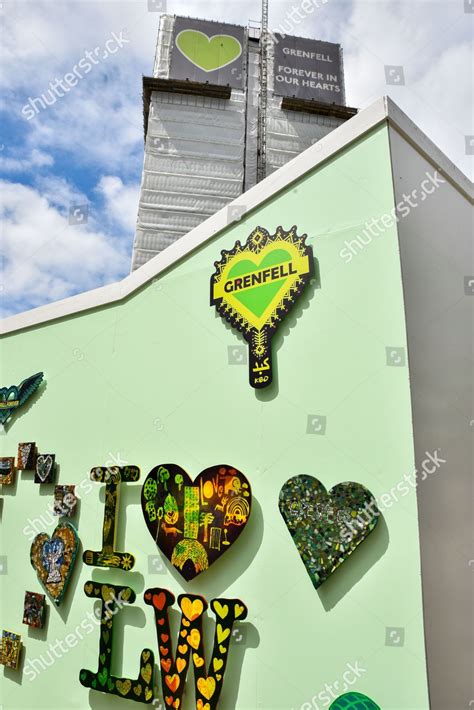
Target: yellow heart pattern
146	673
221	609
198	660
192	609
217	664
206	687
123	686
194	638
222	633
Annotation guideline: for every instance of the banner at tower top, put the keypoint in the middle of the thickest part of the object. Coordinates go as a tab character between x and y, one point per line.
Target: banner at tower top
206	51
308	69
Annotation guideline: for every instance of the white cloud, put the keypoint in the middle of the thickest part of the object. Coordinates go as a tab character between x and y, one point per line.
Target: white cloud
45	258
99	119
37	159
58	192
121	201
431	40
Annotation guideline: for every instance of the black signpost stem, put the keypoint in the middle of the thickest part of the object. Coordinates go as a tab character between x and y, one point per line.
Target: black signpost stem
260	360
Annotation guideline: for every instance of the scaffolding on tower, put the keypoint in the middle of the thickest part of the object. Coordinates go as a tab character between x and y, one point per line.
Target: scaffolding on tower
262	112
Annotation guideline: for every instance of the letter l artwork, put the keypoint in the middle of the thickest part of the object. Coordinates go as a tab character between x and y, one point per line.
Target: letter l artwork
140	689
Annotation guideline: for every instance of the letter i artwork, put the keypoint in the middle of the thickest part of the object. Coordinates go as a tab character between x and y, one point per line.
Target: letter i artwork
190	647
108	556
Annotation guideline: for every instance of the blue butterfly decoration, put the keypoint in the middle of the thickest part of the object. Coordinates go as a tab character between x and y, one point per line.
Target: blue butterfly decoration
13	397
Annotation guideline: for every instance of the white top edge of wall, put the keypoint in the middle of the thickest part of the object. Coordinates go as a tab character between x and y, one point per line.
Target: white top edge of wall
382	109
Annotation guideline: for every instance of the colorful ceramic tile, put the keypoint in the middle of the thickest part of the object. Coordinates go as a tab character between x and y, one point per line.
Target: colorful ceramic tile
34	609
254	287
15	396
44	471
354	701
27	456
53	559
65	501
7	470
10	650
326	526
108	556
208	679
140	689
195	522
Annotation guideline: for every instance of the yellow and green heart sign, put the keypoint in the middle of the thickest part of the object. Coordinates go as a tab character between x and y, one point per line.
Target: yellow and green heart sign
254	287
208	53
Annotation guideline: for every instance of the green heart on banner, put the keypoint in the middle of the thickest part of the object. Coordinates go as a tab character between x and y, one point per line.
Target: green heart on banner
257	299
208	53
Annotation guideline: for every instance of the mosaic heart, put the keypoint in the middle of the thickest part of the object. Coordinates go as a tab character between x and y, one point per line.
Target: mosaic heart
326	527
195	522
53	559
44	472
354	701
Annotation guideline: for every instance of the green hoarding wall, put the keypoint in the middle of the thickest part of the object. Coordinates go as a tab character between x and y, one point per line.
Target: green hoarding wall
156	379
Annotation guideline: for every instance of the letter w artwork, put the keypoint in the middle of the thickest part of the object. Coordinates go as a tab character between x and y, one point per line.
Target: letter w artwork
190	648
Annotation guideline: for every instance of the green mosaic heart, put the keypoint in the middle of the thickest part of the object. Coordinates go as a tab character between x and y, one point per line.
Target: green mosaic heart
258	298
354	701
326	526
208	53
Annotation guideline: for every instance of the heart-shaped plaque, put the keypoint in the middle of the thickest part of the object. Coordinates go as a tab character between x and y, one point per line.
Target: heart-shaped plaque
44	472
195	522
326	527
254	287
53	559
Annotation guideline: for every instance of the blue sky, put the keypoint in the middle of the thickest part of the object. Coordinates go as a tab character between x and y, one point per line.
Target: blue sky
86	148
